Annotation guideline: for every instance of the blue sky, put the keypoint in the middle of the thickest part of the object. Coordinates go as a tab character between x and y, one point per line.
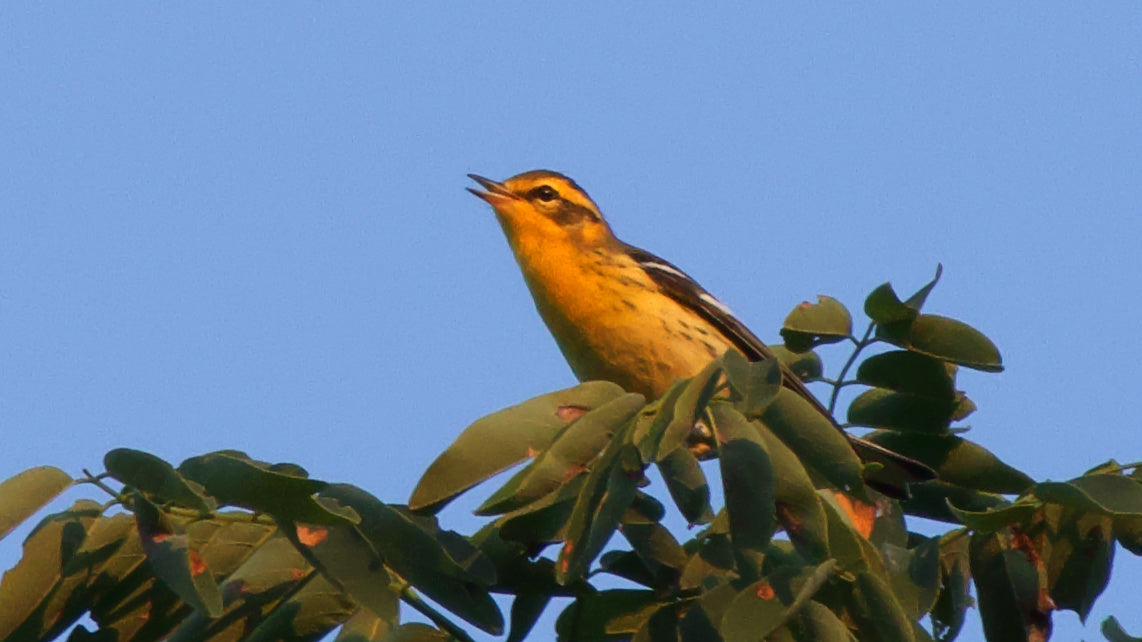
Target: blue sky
245	226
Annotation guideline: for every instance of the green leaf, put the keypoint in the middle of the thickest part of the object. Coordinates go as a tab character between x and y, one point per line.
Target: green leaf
1115	633
915	575
997	518
690	407
711	558
764	606
607	494
1116	495
238	481
1082	552
956	461
946	339
25	493
878	614
748	481
931	499
916	301
420	558
156	478
347	560
653	420
174	561
312	612
798	507
274	566
881	408
806	365
663	623
1008	589
367	626
848	547
687	485
755	383
545	521
910	372
1128	533
816	622
885	308
501	440
822	448
526	610
606	615
950	610
810	324
566	457
656	547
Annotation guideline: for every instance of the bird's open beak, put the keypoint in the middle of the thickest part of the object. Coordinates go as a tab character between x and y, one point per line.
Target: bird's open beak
496	193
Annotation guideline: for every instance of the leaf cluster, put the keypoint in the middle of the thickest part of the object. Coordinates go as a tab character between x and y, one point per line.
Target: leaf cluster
801	546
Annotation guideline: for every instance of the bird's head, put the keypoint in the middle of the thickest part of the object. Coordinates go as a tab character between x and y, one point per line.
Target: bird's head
545	204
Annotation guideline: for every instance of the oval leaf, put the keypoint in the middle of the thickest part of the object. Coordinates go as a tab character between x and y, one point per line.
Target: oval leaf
881	408
25	493
810	324
503	439
951	340
957	461
911	372
156	478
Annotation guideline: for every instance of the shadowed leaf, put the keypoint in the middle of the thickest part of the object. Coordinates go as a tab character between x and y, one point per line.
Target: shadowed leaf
902	411
956	461
822	449
26	589
910	372
748	481
174	561
606	614
419	557
242	482
798	506
690	406
806	365
1115	633
367	626
764	606
997	518
687	485
931	499
156	478
877	612
1012	604
607	494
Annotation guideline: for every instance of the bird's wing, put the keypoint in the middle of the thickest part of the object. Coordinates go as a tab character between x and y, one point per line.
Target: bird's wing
682	288
898	470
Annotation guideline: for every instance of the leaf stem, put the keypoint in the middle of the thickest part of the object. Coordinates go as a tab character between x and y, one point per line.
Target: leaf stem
96	480
860	345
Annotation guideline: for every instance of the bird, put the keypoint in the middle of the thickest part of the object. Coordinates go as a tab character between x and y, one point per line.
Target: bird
621	314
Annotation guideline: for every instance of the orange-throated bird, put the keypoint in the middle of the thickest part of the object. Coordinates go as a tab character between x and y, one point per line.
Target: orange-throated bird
622	314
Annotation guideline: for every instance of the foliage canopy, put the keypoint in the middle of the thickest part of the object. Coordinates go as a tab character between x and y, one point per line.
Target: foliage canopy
225	547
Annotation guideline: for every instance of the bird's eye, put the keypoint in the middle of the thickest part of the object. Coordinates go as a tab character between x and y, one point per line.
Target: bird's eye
545	193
